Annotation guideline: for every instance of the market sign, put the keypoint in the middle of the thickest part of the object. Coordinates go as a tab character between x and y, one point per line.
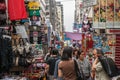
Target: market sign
88	3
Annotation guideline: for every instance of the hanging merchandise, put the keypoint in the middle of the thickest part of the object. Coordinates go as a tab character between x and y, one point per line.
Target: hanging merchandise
89	41
5	51
34	8
34	18
21	30
3	16
34	12
16	9
2	7
34	5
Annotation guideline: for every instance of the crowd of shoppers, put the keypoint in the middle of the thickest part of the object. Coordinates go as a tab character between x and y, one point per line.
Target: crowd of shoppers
61	64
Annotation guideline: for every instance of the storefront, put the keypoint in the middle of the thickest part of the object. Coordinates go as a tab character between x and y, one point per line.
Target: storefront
106	22
19	59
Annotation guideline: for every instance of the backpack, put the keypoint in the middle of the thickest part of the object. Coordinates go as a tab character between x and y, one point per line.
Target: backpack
109	66
51	62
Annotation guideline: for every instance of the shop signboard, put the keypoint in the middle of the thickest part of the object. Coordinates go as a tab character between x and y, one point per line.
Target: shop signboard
88	3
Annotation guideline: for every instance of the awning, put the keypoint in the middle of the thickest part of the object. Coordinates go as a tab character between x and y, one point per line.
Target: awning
74	36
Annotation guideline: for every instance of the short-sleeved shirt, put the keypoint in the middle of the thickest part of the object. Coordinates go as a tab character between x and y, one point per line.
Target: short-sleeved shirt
68	69
85	66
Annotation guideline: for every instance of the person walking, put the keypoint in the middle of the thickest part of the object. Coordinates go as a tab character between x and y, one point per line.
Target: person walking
56	67
97	68
84	65
75	53
48	54
51	63
66	68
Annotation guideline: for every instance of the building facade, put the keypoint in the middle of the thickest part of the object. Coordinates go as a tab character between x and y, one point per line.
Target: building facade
60	15
51	12
43	11
105	16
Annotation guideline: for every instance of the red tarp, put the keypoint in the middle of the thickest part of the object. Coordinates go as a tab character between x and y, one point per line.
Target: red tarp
16	9
74	36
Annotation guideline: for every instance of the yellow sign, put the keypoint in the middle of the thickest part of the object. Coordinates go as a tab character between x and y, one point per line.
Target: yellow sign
34	5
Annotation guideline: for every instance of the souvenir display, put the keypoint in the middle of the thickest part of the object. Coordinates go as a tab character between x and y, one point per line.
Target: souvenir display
18	59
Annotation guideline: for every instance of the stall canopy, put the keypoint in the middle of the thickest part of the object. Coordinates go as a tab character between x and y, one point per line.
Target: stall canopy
74	36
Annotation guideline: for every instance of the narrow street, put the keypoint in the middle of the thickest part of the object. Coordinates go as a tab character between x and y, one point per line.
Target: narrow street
59	39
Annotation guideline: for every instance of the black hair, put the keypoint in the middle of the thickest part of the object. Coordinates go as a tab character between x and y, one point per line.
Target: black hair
74	51
54	51
50	47
67	53
99	51
79	52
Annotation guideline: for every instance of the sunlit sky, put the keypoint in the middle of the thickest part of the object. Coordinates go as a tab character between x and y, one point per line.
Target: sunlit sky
69	8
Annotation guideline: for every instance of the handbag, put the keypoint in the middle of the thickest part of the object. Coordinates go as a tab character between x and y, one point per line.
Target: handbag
78	73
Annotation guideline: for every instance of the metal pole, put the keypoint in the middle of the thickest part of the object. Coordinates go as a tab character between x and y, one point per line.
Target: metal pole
6	2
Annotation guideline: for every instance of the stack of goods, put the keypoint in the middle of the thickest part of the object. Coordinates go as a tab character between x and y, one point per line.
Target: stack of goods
36	70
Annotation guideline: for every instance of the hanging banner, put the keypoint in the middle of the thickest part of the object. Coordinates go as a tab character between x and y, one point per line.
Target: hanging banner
117	14
102	14
110	14
96	16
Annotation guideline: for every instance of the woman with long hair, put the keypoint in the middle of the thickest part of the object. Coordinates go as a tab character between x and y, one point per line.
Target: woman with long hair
66	68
